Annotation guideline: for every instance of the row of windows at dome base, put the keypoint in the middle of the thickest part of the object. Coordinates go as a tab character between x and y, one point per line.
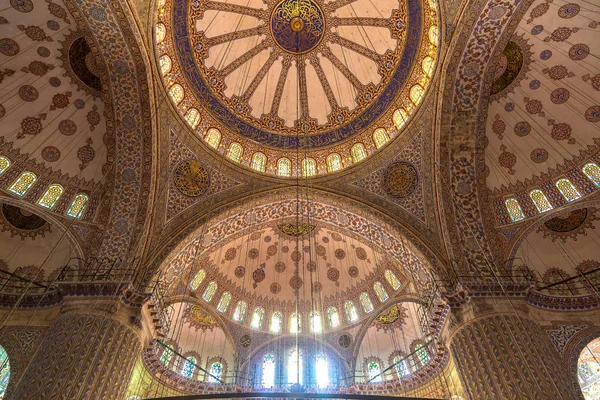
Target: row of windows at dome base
403	365
188	367
566	188
295	323
50	197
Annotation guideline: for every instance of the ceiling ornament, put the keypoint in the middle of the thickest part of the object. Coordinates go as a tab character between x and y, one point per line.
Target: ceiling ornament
569	225
400	179
199	319
191	178
511	68
295	230
394	318
20	222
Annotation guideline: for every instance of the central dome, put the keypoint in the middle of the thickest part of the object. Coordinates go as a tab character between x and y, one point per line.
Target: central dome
259	81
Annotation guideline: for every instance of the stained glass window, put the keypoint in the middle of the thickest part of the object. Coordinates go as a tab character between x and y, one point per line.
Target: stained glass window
235	152
4	164
165	64
591	170
216	369
380	137
23	183
380	291
240	311
400	117
192	117
334	162
161	32
322	371
197	279
351	312
366	302
259	160
4	371
295	367
567	189
224	302
427	65
257	318
333	316
416	93
284	167
188	367
51	196
422	354
514	210
210	291
401	368
268	371
213	138
358	152
392	279
540	200
276	320
434	35
374	371
316	324
166	355
78	205
309	167
176	93
295	323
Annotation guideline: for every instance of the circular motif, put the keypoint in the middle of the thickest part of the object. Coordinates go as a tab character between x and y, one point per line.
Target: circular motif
54	82
568	222
311	266
53	25
296	282
568	10
23	6
272	250
67	127
535	84
400	179
28	93
336	236
498	126
9	47
559	96
592	114
536	30
245	340
317	287
546	54
255	235
353	271
258	275
50	153
295	256
533	106
561	131
333	274
344	341
340	254
240	271
253	254
191	178
275	288
43	51
539	155
22	219
509	107
285	249
522	128
558	72
579	51
230	254
325	239
267	239
297	27
361	253
280	266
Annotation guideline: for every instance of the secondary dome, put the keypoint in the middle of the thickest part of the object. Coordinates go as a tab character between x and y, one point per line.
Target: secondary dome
336	80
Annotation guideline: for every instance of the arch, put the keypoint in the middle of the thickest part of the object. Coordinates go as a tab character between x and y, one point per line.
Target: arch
259	161
284	167
160	32
276	320
421	354
192	117
4	164
316	322
366	302
295	323
358	152
51	196
235	152
224	302
380	291
572	352
257	318
380	137
188	367
176	93
78	205
514	210
334	162
268	371
333	317
416	94
213	138
322	371
309	167
165	64
392	279
540	200
210	291
198	278
567	189
434	35
400	118
373	370
23	183
240	311
428	65
295	366
216	372
351	312
401	367
591	170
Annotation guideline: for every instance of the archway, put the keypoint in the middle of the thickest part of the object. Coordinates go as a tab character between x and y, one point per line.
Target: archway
588	370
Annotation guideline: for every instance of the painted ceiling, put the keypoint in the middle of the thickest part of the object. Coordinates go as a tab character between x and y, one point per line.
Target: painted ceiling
544	107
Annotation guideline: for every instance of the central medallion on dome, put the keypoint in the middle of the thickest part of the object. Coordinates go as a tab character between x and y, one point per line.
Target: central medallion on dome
297	25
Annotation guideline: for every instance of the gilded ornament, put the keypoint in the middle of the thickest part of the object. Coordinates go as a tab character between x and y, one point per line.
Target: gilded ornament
191	178
400	179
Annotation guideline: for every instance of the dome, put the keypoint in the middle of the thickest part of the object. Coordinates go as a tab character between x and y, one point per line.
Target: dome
291	89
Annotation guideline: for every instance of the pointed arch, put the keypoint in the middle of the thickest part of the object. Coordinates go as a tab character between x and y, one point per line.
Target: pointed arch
23	183
198	278
240	311
380	137
567	189
591	170
333	317
276	320
259	161
358	152
235	152
514	210
392	279
334	162
210	291
316	323
284	167
224	302
380	291
309	167
540	200
213	138
4	164
365	301
78	205
295	323
257	318
51	196
351	312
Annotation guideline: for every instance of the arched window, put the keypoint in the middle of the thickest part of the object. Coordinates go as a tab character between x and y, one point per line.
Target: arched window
165	64
322	371
392	279
514	210
210	291
240	311
23	183
192	117
51	196
200	275
216	369
166	355
276	320
213	138
333	316
374	371
427	65
309	167
224	302
351	312
401	367
4	371
588	370
4	164
316	324
380	137
188	367
78	205
284	167
400	117
540	200
366	302
334	162
268	371
235	152
295	323
259	160
161	32
416	94
567	189
257	318
591	170
434	35
176	92
380	291
422	354
358	152
295	366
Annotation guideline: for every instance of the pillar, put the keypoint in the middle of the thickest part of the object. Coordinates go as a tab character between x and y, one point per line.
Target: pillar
504	356
88	353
